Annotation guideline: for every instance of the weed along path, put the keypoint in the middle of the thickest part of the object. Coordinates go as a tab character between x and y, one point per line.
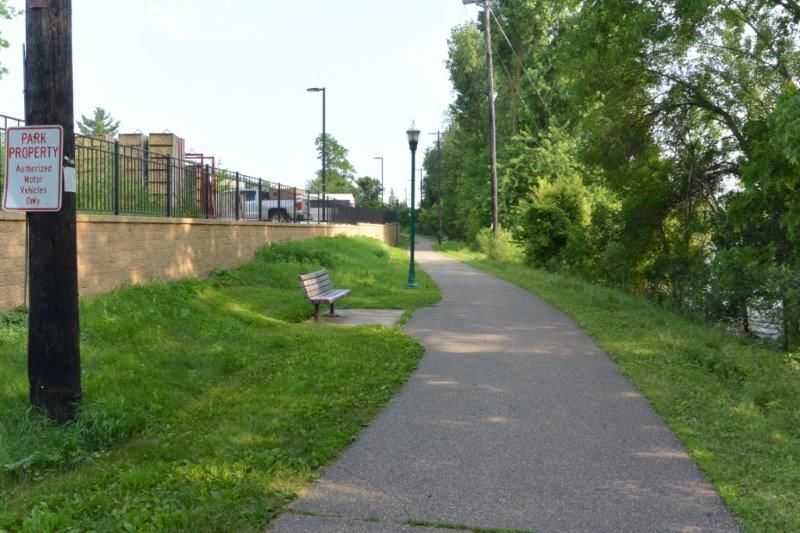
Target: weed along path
514	419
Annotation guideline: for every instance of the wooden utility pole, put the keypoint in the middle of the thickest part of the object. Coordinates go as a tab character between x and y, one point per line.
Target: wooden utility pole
54	368
487	23
487	20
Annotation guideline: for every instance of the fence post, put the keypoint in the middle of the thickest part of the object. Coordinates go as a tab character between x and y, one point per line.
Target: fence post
260	200
169	186
279	202
236	202
146	167
207	180
116	177
294	204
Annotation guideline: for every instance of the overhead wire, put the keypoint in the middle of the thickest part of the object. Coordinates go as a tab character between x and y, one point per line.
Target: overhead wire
516	89
519	60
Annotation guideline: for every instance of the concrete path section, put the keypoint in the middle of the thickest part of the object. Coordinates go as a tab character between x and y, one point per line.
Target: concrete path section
514	419
360	317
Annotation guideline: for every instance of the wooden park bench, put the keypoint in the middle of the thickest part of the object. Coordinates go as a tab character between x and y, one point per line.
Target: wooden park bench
318	289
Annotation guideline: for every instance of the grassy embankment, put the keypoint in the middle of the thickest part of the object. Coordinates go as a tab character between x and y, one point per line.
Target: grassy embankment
208	405
734	402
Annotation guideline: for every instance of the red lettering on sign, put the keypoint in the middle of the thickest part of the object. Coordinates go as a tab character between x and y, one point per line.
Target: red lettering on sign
34	138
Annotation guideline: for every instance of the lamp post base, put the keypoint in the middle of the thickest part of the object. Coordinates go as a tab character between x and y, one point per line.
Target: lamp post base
412	280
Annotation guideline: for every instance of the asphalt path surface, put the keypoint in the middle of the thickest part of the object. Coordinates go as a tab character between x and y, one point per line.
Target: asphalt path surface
514	419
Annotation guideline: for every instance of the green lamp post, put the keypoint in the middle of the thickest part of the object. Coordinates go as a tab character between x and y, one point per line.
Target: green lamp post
413	139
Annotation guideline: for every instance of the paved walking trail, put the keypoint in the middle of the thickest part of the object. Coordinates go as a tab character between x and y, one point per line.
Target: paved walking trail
514	419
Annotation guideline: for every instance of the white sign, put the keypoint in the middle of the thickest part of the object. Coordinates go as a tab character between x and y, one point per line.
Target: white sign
34	168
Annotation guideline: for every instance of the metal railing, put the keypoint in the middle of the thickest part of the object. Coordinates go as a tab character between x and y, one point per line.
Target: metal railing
5	123
113	178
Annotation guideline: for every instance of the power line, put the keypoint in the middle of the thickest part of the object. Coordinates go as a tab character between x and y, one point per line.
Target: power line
516	88
521	64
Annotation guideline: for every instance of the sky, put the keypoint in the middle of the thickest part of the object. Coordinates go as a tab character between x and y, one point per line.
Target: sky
230	76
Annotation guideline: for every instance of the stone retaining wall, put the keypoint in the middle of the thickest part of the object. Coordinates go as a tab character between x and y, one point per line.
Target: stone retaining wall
114	251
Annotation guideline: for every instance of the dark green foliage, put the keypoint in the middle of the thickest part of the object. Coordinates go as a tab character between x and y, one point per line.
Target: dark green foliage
225	277
13	318
368	192
651	145
544	232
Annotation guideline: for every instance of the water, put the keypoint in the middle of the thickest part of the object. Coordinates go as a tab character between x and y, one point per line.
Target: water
761	324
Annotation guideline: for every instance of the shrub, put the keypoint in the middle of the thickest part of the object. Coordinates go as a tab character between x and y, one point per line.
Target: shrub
496	246
544	233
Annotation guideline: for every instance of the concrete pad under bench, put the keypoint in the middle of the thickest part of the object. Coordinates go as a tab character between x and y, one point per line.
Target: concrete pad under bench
362	317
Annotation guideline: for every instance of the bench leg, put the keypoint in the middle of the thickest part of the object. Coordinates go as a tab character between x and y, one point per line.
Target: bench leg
332	313
316	311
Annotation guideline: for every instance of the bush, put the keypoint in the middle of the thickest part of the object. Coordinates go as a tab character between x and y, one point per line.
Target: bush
544	233
496	246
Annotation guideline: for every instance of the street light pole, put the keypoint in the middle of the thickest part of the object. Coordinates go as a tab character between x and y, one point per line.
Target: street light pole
413	140
381	158
492	126
324	147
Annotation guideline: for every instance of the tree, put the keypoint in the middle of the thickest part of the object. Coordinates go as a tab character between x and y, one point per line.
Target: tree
673	125
6	12
339	172
96	175
368	191
101	126
465	174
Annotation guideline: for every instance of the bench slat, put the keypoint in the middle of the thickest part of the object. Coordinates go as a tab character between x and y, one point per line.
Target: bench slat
324	295
314	282
316	286
313	275
331	296
315	279
316	291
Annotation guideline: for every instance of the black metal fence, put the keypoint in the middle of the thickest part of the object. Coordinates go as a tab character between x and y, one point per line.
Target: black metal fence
5	123
113	178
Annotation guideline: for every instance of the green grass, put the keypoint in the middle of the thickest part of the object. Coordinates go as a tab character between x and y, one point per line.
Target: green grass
207	404
735	403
